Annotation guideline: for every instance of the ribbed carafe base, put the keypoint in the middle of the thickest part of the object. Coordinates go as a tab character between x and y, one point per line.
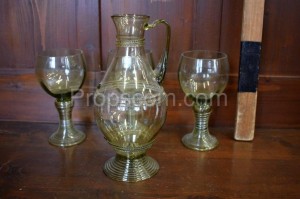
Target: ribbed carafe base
131	170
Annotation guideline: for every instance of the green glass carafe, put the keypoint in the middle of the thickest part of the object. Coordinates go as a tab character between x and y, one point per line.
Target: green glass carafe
130	103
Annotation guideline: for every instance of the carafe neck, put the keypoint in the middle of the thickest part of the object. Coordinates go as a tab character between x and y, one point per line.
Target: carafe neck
130	30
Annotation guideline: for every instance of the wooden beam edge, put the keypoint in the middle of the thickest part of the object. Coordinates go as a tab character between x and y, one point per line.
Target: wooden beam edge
246	114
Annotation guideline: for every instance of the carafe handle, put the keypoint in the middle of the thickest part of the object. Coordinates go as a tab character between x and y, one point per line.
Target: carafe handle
160	69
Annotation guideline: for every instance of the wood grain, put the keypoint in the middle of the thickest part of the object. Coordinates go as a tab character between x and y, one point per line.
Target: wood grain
246	113
27	26
24	99
30	26
231	25
252	28
207	24
281	38
31	168
252	24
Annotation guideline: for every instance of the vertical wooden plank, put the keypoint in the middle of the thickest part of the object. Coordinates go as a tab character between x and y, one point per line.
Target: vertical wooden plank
249	62
253	13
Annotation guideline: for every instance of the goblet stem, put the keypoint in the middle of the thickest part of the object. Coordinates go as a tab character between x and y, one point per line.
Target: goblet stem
66	134
202	112
200	139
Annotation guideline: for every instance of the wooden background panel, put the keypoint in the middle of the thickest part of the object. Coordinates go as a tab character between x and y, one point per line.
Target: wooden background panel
278	89
277	106
280	44
22	99
179	14
278	102
18	34
207	25
29	26
230	38
197	24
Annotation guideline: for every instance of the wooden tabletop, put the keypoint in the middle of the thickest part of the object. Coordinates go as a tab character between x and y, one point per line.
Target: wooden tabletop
268	167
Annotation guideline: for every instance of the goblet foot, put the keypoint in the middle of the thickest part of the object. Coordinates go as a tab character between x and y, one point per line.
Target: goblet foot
66	134
205	142
125	169
72	137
